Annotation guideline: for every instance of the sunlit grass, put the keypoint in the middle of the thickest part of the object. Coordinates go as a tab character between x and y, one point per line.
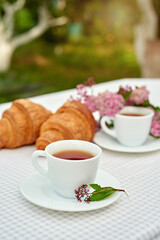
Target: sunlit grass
41	67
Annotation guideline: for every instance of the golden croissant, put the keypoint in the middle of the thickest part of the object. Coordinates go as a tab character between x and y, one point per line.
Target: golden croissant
20	124
72	121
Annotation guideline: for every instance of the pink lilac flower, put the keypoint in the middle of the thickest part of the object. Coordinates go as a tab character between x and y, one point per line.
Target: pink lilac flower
139	95
106	103
100	102
127	88
90	102
95	103
81	92
114	103
82	193
124	90
109	103
80	87
155	126
90	82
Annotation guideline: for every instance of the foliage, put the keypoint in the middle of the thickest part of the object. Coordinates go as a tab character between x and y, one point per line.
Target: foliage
110	18
55	63
38	68
24	20
27	17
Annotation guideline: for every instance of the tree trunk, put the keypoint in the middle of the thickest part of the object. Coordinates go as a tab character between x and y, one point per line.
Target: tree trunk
6	52
146	30
9	42
151	66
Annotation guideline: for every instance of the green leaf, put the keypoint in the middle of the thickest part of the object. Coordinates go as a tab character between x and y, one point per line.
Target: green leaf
108	188
110	124
98	196
148	104
154	136
126	95
96	186
102	193
155	108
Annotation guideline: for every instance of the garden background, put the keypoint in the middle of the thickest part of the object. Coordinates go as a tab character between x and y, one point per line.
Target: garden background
97	40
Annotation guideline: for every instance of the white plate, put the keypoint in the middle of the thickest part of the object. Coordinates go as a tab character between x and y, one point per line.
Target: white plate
40	192
107	142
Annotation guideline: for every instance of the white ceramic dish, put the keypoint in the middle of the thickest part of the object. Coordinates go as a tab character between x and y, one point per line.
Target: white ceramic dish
107	142
36	189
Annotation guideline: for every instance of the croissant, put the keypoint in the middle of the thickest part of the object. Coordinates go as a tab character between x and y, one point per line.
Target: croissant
20	124
72	121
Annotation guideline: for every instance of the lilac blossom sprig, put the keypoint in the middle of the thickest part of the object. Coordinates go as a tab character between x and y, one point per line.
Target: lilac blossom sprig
106	103
139	95
85	90
135	96
82	194
99	193
155	126
109	103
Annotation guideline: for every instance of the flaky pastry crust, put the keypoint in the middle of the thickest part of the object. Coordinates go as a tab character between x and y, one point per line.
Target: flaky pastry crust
20	124
72	121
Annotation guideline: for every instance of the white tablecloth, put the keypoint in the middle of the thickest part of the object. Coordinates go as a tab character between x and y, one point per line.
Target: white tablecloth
135	218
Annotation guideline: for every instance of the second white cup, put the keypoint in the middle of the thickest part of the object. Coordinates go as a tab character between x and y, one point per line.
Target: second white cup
131	125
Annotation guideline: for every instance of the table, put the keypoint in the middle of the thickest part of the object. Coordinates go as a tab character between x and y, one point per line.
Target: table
133	218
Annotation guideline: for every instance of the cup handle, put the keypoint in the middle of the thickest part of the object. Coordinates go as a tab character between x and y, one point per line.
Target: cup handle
107	130
35	155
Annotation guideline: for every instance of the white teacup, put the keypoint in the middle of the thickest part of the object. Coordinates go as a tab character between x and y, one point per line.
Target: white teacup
131	125
67	175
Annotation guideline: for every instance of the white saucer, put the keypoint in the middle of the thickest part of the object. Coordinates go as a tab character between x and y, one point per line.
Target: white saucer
110	143
40	192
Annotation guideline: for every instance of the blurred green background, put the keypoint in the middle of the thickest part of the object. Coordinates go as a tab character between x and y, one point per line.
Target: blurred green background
97	42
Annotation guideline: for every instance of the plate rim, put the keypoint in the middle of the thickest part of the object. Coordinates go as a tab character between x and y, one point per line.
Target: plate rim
122	148
80	208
